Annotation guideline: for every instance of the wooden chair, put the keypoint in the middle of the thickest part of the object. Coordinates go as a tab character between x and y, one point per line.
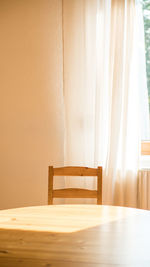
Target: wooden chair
74	192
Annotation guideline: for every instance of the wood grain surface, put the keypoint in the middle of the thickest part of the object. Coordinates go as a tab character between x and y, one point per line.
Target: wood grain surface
75	171
74	236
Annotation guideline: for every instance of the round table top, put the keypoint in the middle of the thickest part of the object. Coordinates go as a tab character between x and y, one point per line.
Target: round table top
74	236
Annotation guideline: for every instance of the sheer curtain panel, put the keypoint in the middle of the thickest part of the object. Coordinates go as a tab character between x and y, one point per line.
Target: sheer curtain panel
101	93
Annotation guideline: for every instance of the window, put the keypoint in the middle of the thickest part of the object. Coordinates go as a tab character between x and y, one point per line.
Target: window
145	148
146	14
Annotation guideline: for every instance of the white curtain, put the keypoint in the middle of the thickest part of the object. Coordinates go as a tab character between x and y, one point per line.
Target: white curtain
101	94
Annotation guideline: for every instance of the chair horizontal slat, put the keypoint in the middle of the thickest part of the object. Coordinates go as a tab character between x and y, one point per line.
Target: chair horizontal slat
75	171
74	193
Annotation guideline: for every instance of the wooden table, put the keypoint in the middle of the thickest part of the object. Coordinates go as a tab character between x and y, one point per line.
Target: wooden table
74	236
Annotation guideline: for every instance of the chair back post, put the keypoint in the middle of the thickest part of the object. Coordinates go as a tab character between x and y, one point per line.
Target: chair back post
99	185
50	185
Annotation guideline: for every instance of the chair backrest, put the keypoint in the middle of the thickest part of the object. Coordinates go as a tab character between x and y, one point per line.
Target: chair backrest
74	192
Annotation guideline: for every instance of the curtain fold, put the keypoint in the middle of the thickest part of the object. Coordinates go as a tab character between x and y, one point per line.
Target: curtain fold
101	94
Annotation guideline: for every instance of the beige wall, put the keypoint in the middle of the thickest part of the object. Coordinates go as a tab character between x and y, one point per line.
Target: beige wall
31	124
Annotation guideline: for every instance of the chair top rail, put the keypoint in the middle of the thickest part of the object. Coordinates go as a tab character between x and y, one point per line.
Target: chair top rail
75	171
